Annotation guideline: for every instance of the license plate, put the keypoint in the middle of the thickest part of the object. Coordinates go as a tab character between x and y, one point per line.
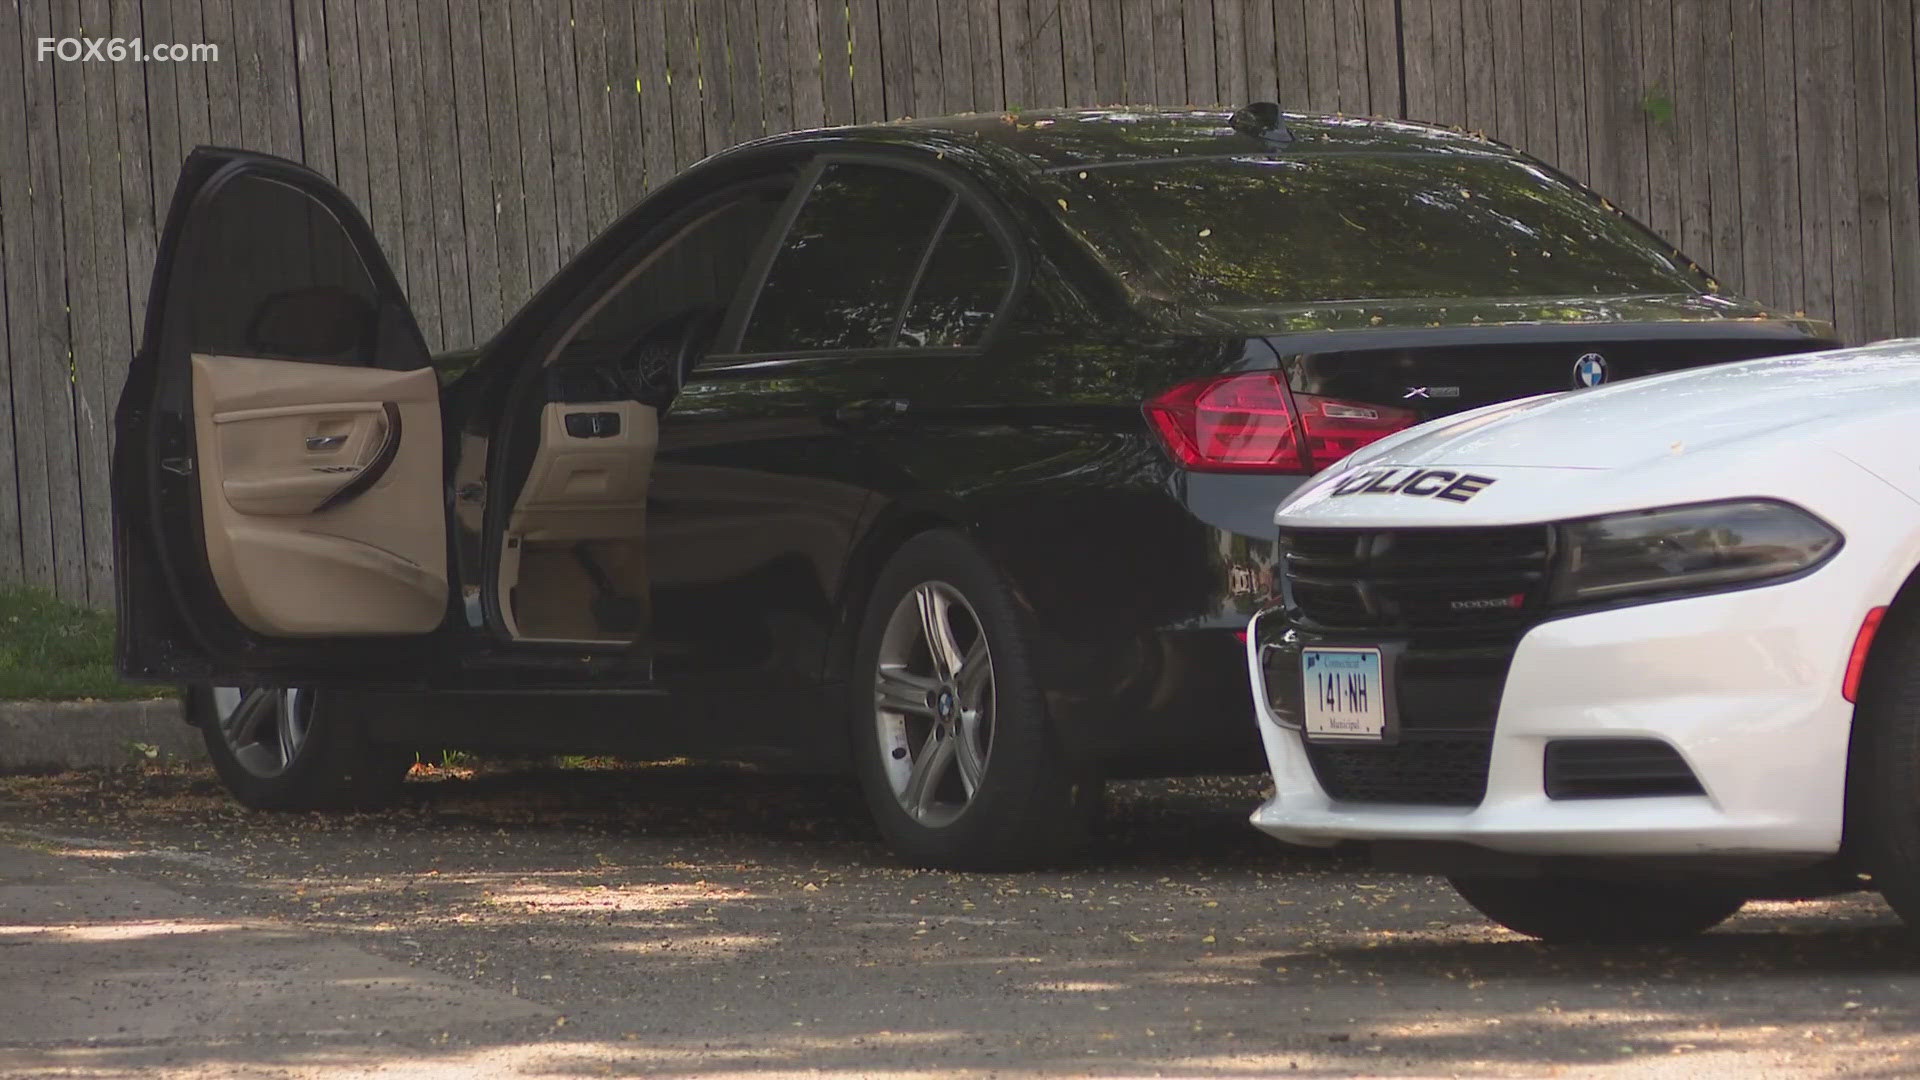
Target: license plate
1346	695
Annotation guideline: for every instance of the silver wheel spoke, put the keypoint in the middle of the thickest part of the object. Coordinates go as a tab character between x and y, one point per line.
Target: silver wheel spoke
935	757
897	690
254	712
975	674
973	766
290	728
934	623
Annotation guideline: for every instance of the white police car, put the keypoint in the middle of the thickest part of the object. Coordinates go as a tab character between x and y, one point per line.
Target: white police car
1617	660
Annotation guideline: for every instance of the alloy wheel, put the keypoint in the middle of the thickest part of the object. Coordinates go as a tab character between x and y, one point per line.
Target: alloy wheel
264	728
933	696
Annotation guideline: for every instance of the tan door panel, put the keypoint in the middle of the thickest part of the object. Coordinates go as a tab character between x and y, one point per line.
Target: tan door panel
589	488
278	440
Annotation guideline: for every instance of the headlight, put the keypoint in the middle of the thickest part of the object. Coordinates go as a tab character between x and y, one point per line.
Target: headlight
1687	548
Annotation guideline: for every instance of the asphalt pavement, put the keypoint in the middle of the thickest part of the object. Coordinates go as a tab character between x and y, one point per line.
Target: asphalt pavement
679	922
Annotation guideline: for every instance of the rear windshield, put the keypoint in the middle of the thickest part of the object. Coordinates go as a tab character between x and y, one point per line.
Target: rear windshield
1364	226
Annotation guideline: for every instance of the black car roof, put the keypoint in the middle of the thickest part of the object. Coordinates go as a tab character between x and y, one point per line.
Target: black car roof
1047	139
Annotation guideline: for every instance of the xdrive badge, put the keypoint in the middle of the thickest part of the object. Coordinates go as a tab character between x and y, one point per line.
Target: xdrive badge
1425	483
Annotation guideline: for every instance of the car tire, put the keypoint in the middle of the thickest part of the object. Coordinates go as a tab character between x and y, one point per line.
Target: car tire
1581	911
292	749
1883	767
961	766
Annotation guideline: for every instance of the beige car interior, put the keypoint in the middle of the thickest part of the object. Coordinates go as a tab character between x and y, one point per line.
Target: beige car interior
278	443
573	564
578	529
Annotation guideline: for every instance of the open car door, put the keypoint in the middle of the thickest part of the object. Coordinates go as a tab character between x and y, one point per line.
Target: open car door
279	514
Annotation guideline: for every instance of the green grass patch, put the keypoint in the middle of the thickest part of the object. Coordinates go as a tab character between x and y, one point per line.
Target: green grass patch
51	650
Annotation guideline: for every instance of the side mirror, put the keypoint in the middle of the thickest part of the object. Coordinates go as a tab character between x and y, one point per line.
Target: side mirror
320	322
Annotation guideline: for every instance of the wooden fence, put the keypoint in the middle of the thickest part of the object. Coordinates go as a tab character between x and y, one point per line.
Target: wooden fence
1774	140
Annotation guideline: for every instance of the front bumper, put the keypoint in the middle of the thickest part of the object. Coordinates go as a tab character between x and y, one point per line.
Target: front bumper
1744	685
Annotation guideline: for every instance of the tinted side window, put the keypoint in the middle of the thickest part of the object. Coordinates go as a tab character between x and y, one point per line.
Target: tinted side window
698	270
965	280
844	268
275	275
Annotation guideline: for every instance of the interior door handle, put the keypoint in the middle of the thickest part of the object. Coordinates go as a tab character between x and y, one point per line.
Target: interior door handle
375	469
317	443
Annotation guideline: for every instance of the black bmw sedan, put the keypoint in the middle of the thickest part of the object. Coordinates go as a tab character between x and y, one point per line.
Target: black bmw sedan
940	453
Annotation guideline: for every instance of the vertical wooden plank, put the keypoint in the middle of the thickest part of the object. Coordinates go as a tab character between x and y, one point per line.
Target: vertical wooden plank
39	329
1616	128
1480	64
384	206
136	182
1322	57
1048	82
507	213
1263	76
1291	67
413	135
1350	64
1203	76
24	542
1723	145
1382	33
594	85
1511	110
989	64
1694	111
536	143
223	84
310	73
1422	80
836	62
1449	64
1169	54
164	152
444	128
1755	152
1540	77
1874	265
559	41
1230	52
863	36
716	81
956	57
1783	221
743	49
1136	42
1813	122
775	83
1659	117
923	36
471	61
345	90
684	68
896	58
656	101
1843	177
807	60
1569	90
626	124
102	337
1903	163
1080	72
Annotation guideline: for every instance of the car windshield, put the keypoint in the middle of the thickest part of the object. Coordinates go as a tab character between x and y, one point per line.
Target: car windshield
1363	226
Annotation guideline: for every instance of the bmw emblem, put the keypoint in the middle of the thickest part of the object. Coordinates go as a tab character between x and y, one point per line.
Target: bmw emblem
1589	370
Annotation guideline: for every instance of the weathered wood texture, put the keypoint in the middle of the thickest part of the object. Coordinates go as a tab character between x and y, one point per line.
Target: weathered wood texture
1775	141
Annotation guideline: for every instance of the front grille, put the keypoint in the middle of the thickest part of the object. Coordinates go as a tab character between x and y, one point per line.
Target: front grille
1615	769
1415	579
1432	771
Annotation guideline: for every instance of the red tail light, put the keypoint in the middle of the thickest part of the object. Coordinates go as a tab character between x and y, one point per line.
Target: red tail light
1254	423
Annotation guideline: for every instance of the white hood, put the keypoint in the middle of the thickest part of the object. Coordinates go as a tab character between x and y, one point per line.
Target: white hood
1650	442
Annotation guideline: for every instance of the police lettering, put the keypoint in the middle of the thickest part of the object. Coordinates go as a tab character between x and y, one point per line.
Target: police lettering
1424	483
